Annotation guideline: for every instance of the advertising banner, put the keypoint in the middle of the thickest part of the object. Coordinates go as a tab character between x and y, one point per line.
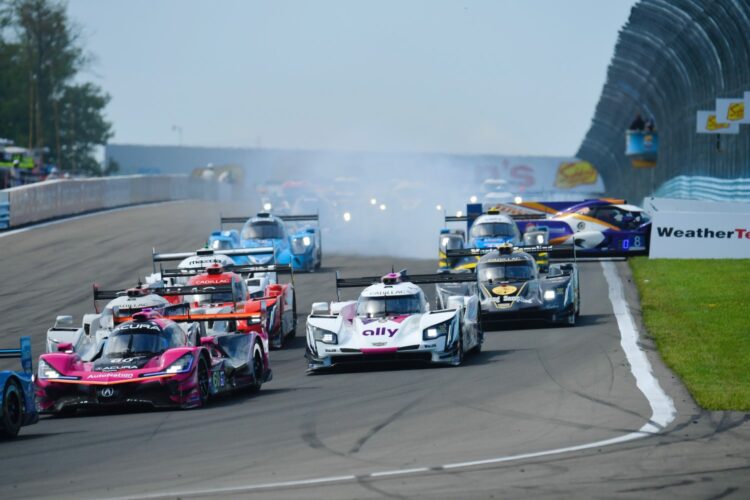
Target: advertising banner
733	110
689	229
706	124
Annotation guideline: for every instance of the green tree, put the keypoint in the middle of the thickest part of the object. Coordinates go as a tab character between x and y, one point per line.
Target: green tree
82	127
40	105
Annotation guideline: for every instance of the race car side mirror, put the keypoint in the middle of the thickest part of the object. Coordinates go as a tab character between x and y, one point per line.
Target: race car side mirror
64	347
208	341
65	321
320	308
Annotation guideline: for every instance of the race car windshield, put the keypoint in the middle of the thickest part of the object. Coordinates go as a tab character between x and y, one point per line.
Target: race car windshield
492	229
143	341
262	230
221	245
380	307
124	312
509	271
216	298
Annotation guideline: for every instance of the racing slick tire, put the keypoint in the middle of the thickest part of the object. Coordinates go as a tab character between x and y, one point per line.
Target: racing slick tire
258	368
12	416
480	339
569	319
204	383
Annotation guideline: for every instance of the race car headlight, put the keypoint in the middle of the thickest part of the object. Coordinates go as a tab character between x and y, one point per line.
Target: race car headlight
549	295
255	320
45	371
183	364
300	245
325	336
433	332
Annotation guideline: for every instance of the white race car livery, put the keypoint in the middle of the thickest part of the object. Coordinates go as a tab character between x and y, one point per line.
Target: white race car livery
391	320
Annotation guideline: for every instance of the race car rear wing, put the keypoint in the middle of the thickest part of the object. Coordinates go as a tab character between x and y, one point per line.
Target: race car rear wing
555	252
23	352
232	252
286	218
239	269
189	317
165	291
417	279
467	218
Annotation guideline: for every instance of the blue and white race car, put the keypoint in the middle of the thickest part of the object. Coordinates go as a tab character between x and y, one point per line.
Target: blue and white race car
294	244
228	240
486	230
18	404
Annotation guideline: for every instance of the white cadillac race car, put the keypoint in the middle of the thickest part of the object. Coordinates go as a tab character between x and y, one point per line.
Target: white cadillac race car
392	320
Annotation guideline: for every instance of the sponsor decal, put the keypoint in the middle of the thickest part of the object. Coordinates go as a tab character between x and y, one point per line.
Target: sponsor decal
736	111
107	392
116	368
712	124
573	174
379	331
139	326
671	232
97	376
504	290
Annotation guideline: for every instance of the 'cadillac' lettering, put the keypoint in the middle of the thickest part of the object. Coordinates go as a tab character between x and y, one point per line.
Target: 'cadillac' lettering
380	331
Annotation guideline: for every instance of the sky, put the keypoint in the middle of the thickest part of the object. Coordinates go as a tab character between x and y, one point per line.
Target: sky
519	77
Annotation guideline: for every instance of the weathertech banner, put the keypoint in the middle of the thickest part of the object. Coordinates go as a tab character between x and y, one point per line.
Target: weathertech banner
687	229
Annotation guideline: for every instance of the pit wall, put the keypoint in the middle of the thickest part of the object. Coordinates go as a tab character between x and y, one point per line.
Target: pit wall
66	197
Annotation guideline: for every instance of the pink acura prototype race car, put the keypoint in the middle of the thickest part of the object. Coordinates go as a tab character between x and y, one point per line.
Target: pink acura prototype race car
150	360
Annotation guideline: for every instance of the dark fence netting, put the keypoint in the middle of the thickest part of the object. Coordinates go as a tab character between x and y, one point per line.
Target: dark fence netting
673	58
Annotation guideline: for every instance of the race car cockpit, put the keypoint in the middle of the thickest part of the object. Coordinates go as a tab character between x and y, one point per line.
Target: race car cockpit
263	230
510	270
382	307
493	230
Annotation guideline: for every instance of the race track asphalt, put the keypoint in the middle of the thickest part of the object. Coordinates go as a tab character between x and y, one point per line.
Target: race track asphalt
530	390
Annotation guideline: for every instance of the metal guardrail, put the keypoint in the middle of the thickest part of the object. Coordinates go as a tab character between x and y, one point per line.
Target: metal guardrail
673	58
705	188
62	198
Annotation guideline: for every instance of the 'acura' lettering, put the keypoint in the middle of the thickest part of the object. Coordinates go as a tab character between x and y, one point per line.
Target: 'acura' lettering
380	331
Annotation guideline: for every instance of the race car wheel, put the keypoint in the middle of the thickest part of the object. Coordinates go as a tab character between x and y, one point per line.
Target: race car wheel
204	387
258	368
569	320
12	416
480	339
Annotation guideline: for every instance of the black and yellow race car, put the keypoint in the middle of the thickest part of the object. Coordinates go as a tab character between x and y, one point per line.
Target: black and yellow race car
513	287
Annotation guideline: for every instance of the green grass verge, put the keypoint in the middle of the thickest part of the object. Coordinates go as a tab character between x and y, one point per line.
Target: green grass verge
698	312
